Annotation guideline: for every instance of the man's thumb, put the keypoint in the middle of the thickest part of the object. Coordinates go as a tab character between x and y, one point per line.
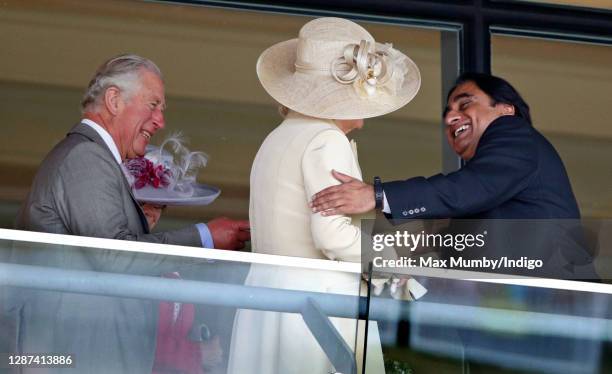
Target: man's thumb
342	177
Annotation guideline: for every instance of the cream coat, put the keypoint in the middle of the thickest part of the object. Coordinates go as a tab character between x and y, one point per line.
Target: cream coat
293	163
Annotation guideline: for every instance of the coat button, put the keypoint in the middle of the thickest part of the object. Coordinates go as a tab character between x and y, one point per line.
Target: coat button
417	210
404	213
411	211
423	209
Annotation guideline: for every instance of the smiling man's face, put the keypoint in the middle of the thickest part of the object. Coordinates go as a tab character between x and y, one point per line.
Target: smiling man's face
141	116
469	112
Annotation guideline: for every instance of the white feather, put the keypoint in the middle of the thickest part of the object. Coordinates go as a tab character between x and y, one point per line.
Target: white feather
184	164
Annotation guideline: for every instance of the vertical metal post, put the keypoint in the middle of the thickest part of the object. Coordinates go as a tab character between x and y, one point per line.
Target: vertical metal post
367	319
477	41
450	56
330	340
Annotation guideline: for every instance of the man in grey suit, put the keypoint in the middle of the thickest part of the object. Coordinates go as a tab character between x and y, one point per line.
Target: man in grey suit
81	189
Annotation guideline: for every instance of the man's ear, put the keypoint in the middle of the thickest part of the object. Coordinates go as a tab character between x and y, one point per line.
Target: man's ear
506	109
112	100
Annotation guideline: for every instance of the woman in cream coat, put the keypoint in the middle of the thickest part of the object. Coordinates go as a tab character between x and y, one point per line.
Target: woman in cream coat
327	79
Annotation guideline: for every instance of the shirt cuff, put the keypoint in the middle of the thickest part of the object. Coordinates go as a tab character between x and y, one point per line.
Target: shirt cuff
205	236
386	208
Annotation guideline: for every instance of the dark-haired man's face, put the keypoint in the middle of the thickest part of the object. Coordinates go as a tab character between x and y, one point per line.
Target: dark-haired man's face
469	112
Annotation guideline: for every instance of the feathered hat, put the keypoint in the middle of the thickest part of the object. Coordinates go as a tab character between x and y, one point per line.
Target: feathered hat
166	175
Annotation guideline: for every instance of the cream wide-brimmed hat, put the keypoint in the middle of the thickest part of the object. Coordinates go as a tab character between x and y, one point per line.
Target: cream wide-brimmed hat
335	70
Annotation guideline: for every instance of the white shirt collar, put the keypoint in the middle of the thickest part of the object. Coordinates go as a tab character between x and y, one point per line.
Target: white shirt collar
110	143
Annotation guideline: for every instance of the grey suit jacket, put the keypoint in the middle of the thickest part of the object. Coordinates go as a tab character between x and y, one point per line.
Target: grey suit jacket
81	190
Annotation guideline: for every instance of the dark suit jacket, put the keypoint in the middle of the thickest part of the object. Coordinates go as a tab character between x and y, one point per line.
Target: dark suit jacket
80	189
515	174
515	188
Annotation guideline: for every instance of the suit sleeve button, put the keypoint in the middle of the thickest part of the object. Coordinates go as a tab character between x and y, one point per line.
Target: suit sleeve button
404	213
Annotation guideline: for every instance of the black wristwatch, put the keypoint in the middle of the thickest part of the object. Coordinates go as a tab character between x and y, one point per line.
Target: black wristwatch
378	193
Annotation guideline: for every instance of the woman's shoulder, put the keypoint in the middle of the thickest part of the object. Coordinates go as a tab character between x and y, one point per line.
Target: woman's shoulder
312	129
329	136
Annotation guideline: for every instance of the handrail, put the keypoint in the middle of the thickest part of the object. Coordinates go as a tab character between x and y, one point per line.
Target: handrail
178	250
299	262
292	301
178	290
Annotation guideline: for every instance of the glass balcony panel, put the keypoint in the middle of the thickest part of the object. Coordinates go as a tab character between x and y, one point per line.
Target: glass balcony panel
119	306
477	326
214	98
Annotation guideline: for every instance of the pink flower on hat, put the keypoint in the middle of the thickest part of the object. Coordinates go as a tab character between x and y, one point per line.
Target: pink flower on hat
146	173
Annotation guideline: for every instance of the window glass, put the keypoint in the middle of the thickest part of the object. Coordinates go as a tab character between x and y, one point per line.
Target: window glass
214	98
602	4
172	309
473	326
567	86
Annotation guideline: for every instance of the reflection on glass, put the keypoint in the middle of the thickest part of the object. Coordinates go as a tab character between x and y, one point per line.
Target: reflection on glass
485	318
117	311
468	325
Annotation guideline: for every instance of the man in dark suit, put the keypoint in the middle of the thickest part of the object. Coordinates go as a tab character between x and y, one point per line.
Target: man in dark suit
513	186
511	171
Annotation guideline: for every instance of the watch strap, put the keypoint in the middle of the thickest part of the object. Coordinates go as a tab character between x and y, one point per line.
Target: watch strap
378	193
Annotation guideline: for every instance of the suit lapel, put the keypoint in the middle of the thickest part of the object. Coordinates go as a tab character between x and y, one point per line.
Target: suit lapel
92	135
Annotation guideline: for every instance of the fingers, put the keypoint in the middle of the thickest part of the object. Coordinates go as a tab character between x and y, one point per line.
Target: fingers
340	188
342	177
323	193
239	245
334	192
152	213
242	233
232	244
243	225
333	202
328	201
229	234
331	212
244	236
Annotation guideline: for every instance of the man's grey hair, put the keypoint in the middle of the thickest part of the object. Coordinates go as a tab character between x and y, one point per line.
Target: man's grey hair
121	71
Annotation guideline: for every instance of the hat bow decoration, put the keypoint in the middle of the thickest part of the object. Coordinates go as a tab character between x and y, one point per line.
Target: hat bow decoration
382	70
335	69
